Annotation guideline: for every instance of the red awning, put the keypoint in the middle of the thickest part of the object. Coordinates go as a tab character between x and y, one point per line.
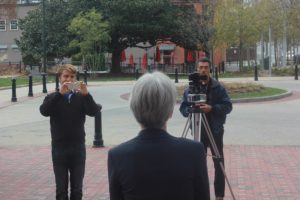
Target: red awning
144	61
172	58
123	56
131	62
157	54
190	57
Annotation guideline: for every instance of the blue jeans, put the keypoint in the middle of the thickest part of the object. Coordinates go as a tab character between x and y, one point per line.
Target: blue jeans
69	162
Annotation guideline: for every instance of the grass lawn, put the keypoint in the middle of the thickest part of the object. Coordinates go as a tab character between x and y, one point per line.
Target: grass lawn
267	91
243	90
22	81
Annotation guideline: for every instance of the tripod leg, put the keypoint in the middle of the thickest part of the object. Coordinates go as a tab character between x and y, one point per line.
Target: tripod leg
196	129
186	127
216	152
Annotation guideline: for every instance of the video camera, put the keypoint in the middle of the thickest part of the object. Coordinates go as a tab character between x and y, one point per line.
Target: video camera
197	88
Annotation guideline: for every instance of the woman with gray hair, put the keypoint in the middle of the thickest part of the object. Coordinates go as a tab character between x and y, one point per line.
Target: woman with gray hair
156	165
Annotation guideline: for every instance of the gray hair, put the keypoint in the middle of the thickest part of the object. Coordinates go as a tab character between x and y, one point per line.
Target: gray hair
153	98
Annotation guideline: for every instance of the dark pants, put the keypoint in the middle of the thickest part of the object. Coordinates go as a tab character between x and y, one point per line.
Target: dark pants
69	163
219	182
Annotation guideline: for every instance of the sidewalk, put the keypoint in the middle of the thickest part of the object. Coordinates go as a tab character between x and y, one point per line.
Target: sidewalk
255	173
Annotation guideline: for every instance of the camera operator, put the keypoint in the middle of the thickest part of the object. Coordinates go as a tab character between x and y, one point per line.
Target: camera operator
216	107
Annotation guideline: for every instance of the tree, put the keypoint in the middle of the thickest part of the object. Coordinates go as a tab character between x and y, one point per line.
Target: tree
91	37
132	22
58	17
235	26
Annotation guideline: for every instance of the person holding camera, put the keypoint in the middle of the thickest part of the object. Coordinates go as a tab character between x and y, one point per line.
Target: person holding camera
67	109
216	107
154	164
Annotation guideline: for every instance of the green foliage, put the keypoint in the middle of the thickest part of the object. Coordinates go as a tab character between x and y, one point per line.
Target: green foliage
133	22
265	92
235	26
92	38
22	81
130	23
283	71
57	18
91	32
95	62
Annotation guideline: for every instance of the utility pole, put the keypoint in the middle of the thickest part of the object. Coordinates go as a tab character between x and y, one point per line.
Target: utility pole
270	51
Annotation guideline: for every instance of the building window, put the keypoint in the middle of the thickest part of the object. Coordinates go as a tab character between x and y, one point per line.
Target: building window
3	48
2	25
14	47
14	25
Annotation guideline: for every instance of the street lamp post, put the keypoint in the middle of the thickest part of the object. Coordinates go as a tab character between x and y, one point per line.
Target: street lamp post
44	38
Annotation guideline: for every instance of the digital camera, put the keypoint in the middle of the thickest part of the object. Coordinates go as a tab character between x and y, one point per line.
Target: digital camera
197	88
74	85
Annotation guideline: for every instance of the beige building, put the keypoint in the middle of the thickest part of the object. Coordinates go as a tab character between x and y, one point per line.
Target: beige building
9	29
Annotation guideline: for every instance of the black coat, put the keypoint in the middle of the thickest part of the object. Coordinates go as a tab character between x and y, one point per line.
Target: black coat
220	102
67	117
157	166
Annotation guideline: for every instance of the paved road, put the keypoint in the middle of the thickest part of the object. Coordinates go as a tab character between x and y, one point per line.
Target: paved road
265	123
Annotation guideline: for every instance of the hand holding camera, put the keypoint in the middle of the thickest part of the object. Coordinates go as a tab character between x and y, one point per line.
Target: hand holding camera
206	108
77	86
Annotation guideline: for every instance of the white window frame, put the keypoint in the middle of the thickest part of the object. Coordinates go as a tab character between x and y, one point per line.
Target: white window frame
14	20
14	46
3	48
3	20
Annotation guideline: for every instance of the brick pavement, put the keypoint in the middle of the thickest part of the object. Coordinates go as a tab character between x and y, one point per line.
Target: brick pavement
255	172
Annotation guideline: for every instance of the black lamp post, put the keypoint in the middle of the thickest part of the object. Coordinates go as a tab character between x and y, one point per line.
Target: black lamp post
44	38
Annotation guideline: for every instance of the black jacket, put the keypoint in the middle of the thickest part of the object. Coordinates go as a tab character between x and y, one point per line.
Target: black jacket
67	118
157	166
220	102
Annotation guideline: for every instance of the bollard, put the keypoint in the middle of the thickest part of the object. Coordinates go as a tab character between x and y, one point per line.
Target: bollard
296	72
136	74
30	93
98	141
85	77
223	67
216	73
44	83
56	82
13	96
78	76
255	73
176	75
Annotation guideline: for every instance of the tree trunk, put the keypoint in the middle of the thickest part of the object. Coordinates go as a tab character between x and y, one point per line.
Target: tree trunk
262	50
270	51
115	60
276	51
284	43
248	56
241	55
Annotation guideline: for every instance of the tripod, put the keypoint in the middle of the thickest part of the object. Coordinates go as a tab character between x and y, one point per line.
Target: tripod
195	118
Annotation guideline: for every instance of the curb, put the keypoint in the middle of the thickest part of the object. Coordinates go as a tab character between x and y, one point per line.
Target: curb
260	99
